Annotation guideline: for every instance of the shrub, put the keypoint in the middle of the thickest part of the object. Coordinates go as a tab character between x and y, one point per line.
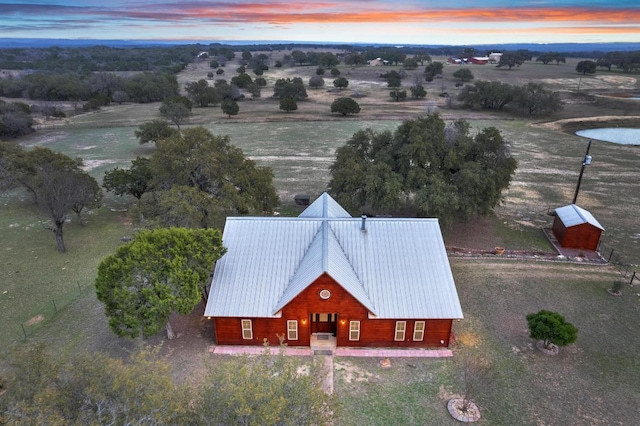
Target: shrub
551	327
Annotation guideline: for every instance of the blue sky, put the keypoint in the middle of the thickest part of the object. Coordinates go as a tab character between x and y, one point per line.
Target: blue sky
368	21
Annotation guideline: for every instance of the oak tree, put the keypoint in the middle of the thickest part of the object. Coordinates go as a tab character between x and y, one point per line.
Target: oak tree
58	183
345	106
288	104
586	67
212	165
154	131
425	168
229	107
133	181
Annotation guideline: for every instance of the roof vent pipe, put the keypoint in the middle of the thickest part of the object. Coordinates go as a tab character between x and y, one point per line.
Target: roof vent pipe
363	227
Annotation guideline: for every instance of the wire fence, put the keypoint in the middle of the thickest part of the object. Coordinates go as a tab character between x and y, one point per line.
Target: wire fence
626	269
48	311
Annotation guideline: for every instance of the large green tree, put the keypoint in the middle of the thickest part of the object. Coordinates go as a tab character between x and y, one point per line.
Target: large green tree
345	106
511	59
154	131
201	93
341	83
424	168
290	88
487	95
133	181
58	183
198	159
288	104
230	107
176	109
432	69
586	67
463	74
534	99
160	272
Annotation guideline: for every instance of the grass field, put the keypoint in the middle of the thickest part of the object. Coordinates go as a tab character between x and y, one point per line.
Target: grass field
591	382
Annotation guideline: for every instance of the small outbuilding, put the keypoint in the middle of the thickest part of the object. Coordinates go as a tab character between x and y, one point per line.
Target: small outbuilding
575	227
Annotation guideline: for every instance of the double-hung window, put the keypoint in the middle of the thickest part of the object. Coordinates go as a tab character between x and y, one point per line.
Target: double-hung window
418	331
401	328
247	329
354	330
292	330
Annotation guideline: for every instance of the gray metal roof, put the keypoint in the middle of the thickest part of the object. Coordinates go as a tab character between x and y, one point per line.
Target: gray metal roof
397	268
573	215
325	206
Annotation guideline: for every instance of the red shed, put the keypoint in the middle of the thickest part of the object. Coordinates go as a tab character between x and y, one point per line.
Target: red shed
365	282
575	227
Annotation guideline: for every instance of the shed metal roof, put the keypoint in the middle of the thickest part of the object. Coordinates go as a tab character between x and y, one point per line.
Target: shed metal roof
397	268
573	215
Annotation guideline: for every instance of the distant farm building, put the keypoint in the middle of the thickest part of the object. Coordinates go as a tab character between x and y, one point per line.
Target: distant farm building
479	60
454	61
495	57
575	227
378	62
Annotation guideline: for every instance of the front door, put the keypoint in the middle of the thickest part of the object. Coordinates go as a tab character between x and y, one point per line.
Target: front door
324	323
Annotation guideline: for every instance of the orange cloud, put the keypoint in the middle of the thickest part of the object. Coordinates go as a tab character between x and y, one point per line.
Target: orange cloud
340	13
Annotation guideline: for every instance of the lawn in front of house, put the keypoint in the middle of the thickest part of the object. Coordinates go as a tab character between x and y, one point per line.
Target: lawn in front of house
593	381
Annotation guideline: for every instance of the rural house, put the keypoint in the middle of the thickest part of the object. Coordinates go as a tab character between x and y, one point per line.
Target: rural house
574	227
370	282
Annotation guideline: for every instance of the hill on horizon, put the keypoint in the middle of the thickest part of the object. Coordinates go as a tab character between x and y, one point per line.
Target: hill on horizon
7	43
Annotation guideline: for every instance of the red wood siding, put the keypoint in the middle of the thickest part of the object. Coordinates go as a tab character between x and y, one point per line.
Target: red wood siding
584	236
373	332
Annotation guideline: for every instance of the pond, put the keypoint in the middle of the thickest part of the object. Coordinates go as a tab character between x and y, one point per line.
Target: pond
623	136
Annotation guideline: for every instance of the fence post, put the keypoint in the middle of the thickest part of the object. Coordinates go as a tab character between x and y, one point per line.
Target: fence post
633	277
610	255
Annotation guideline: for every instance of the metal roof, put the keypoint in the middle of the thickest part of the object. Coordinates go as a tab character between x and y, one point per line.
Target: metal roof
397	268
573	215
325	206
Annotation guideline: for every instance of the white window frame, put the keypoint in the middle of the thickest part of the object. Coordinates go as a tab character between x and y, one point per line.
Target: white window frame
418	335
401	330
292	330
354	327
247	326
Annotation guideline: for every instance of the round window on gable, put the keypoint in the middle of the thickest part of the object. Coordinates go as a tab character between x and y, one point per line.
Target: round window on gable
325	294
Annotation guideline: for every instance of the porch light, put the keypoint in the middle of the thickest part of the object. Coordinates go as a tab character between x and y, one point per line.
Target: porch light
304	321
343	322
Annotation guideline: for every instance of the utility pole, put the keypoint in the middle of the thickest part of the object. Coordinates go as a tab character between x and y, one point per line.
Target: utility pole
585	162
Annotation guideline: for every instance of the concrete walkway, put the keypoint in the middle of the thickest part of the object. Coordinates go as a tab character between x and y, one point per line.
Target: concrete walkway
327	382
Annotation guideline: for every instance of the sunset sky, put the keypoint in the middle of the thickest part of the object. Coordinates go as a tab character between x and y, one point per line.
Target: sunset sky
365	21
